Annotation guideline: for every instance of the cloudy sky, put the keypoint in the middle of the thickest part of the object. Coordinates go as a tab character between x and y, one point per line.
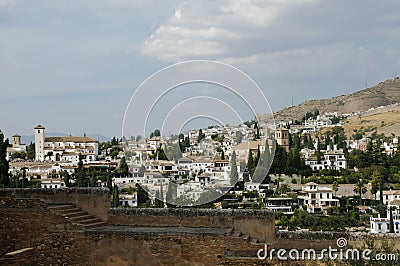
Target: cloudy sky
73	65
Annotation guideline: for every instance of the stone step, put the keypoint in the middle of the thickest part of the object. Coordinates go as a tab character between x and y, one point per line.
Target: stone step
236	234
246	237
254	241
60	207
81	218
94	225
88	221
74	214
70	210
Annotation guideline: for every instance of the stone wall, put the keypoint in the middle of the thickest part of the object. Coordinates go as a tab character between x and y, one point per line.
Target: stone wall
95	201
28	224
257	224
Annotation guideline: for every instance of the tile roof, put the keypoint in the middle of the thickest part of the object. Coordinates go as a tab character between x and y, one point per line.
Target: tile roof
70	139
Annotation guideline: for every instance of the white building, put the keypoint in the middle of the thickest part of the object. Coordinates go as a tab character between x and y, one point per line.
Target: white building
16	147
316	198
66	148
283	204
128	200
389	196
382	225
333	159
52	183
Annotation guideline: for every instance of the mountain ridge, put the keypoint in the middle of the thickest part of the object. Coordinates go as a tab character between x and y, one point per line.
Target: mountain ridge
385	93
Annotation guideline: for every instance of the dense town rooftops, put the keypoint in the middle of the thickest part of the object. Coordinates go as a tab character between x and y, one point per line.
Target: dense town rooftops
70	139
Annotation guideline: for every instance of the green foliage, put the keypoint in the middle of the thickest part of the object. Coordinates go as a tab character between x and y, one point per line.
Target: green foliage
302	219
19	155
4	166
155	133
30	151
239	137
360	188
142	196
251	165
201	135
80	176
115	197
123	169
234	177
114	141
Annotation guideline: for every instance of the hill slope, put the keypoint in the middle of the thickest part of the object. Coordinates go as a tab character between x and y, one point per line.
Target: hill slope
385	93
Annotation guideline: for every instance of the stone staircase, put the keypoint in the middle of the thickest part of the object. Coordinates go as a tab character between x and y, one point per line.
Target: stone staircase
78	218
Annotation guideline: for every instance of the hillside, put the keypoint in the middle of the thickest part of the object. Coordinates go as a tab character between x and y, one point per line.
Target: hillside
385	93
383	120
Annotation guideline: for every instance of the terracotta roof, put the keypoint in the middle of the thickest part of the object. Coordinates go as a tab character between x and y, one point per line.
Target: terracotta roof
69	139
16	135
253	145
39	127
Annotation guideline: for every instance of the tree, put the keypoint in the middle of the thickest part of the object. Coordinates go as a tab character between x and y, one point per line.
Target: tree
142	170
377	184
114	141
80	174
123	168
391	224
4	165
360	188
170	191
93	180
115	197
250	163
30	152
109	180
239	137
266	156
142	195
283	189
335	186
318	152
201	135
66	178
234	173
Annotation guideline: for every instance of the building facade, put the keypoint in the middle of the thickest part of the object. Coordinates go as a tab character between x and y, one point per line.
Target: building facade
65	148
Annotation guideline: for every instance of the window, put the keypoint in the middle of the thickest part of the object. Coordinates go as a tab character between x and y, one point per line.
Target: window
379	226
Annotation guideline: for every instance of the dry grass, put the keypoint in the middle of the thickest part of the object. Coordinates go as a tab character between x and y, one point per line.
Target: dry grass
385	120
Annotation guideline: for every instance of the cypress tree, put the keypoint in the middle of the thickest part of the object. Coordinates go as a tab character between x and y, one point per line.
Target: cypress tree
4	165
115	197
250	163
234	173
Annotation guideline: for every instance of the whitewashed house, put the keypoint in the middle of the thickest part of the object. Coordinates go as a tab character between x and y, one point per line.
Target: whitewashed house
316	198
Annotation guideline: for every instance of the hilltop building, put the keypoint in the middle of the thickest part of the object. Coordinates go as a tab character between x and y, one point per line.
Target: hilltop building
16	146
66	148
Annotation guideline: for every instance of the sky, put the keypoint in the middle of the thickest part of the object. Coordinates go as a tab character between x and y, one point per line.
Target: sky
74	65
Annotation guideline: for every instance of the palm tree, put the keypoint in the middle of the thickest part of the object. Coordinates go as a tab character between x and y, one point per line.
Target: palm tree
335	186
360	188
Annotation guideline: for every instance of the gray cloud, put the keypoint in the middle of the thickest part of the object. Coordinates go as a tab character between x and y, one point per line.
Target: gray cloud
56	55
